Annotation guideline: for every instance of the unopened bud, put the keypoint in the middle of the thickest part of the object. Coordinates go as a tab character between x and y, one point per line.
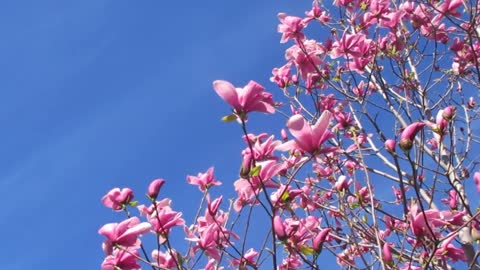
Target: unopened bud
390	145
449	113
154	188
408	135
471	103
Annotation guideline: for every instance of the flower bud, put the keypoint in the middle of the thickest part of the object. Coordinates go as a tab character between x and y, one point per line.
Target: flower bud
449	113
471	103
390	145
386	253
283	132
408	135
341	183
154	188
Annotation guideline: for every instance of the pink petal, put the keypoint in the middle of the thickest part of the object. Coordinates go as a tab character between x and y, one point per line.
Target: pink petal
319	128
302	131
228	92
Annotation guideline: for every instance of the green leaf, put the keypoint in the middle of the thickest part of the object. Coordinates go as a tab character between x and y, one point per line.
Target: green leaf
133	203
285	196
229	118
256	170
306	250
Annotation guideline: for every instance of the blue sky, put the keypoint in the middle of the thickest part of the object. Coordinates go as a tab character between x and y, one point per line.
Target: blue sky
99	94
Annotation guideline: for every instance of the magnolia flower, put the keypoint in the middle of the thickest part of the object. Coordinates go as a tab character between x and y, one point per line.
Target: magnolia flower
291	27
117	199
121	259
250	98
203	180
124	233
307	138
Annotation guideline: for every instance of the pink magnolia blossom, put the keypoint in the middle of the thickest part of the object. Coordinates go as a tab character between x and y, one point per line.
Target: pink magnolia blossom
250	98
247	189
307	138
154	188
124	233
121	259
316	13
452	199
164	260
204	180
342	183
432	221
292	262
248	259
164	219
291	27
449	7
449	251
212	265
307	57
117	199
281	76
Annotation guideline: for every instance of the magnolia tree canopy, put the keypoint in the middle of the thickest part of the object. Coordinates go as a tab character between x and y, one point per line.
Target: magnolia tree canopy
376	166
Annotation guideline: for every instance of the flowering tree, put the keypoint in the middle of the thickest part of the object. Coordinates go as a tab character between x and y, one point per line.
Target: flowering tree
377	166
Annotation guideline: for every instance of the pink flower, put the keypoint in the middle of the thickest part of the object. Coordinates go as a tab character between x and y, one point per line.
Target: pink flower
447	250
342	183
281	76
154	188
408	135
203	180
164	219
307	138
316	13
449	7
452	199
247	259
121	259
436	220
124	233
291	27
164	260
251	98
117	199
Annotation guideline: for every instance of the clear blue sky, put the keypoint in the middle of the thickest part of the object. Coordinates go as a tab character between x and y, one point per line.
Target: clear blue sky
100	93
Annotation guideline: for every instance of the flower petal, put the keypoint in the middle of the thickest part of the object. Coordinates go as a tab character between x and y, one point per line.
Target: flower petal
227	92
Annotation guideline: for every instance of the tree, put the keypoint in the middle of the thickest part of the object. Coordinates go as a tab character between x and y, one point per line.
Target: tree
378	168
